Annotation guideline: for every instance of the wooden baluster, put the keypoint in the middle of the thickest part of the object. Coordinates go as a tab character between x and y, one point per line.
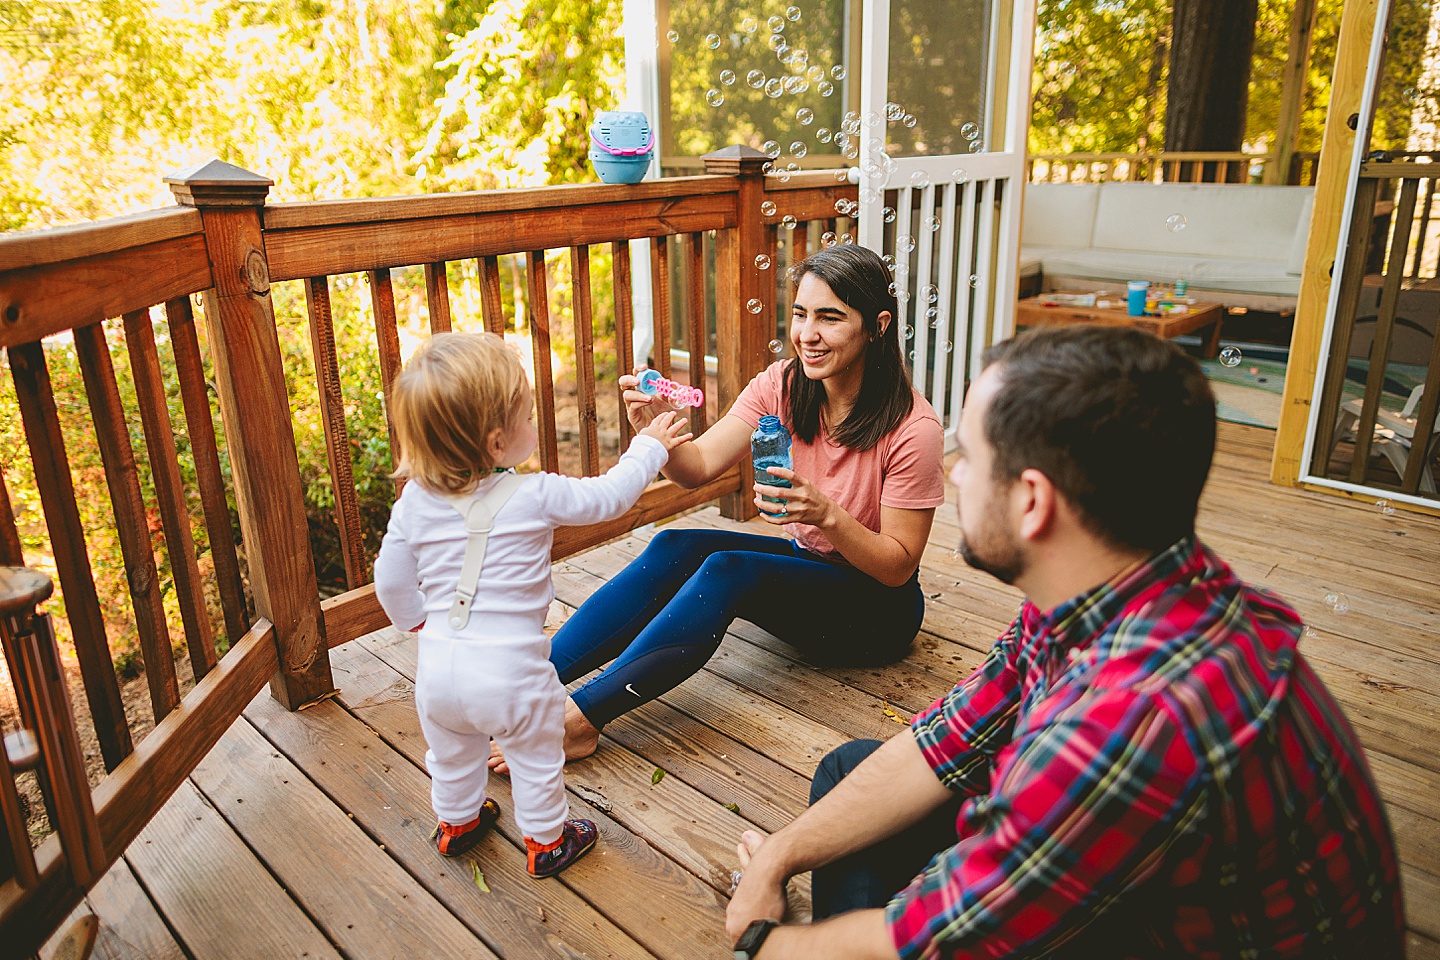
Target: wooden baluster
112	435
585	361
17	860
492	306
169	490
387	338
72	560
260	436
437	296
205	452
12	555
624	328
537	289
337	437
660	292
694	253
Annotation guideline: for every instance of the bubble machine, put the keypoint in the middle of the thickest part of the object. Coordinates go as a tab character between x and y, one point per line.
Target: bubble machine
621	145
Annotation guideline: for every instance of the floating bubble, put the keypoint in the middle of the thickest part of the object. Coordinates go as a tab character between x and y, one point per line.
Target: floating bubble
673	36
825	87
749	25
815	74
869	195
947	346
932	224
974	281
788	222
888	260
727	77
799	58
792	167
713	41
842	175
827	239
792	14
901	272
771	149
977	146
776	41
714	97
909	120
838	71
920	179
777	346
871	120
888	214
931	293
970	131
754	305
892	288
783	176
762	262
905	243
1176	222
767	166
775	24
823	134
908	332
911	355
893	111
846	238
1386	507
798	149
959	175
774	87
784	52
805	115
796	85
842	140
852	151
768	208
1230	357
842	207
903	297
755	78
793	274
932	318
1337	602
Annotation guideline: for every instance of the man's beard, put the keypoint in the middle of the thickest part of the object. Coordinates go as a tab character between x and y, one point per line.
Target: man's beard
1004	563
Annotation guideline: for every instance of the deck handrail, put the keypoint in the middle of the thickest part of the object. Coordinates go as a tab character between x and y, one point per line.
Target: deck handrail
1157	166
226	243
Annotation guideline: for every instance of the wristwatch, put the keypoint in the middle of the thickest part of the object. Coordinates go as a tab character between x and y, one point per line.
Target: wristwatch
749	943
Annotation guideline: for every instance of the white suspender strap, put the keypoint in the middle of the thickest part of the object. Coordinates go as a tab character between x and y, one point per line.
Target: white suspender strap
479	514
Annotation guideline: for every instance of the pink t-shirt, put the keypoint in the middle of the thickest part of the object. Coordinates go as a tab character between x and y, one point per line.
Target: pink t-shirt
903	470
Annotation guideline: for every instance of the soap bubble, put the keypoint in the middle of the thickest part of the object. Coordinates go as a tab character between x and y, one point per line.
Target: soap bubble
727	77
792	167
1230	357
762	261
767	166
755	78
852	151
905	243
774	87
825	87
970	131
792	14
796	85
911	356
754	305
827	239
932	318
714	97
713	41
920	179
871	120
776	24
1337	602
888	260
815	74
771	149
977	146
788	222
974	281
823	135
673	36
777	346
1386	507
805	115
783	51
908	332
931	293
948	347
909	120
776	41
768	208
784	175
893	111
798	149
842	175
749	25
892	288
842	207
888	214
901	272
869	194
1176	222
846	238
838	71
932	224
959	175
799	57
903	297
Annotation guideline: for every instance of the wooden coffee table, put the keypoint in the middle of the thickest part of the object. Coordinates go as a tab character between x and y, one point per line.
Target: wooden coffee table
1031	312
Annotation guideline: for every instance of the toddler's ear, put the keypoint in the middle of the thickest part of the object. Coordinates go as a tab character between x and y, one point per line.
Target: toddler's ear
495	444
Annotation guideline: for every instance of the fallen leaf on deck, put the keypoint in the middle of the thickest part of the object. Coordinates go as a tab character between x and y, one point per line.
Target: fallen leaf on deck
657	776
885	708
480	878
733	807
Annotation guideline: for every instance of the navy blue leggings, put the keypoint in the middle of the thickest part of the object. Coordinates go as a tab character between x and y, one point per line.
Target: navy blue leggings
661	618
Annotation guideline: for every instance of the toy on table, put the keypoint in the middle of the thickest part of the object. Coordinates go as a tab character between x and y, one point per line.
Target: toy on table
651	384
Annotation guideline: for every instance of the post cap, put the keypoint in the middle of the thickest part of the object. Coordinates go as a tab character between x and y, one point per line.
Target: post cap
735	159
216	183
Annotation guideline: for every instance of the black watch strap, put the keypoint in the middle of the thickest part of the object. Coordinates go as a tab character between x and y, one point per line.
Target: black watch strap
749	943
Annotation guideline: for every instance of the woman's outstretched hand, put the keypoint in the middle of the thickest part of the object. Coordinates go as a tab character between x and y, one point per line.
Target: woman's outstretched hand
642	408
804	503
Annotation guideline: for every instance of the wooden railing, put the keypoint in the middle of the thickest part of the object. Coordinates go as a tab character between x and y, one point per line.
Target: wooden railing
1170	167
225	242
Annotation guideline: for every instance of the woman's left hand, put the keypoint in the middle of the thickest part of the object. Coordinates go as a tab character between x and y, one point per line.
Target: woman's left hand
804	503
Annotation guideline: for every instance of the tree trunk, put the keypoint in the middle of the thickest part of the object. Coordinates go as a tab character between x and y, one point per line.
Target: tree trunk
1210	50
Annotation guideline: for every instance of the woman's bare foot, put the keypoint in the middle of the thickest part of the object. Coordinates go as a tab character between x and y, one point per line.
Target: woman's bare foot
582	738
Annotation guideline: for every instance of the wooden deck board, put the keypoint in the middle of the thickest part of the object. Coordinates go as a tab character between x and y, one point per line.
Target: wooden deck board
346	840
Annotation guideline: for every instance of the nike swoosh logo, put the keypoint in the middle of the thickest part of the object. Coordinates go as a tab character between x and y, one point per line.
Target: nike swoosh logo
631	689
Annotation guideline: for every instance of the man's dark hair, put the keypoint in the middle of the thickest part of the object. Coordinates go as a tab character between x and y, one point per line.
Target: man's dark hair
1122	422
859	278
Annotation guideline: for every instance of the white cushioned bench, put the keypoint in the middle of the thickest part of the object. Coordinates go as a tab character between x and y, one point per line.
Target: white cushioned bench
1242	244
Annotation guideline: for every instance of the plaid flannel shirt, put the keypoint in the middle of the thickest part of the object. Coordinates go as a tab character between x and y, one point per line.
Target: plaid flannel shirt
1152	769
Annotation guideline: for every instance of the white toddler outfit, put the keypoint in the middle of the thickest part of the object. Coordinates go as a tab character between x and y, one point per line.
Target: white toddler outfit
492	676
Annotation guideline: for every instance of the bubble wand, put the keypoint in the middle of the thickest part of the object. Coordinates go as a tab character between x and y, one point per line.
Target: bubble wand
652	384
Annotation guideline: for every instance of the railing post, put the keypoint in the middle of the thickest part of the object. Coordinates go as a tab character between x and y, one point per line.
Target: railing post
742	338
254	405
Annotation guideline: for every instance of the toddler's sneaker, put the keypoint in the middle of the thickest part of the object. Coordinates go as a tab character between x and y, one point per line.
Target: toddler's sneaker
452	841
548	859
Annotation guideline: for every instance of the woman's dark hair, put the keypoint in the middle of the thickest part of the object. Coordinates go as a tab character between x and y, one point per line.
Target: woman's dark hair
859	278
1122	422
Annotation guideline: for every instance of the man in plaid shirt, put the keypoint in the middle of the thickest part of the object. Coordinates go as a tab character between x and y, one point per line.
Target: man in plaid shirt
1144	766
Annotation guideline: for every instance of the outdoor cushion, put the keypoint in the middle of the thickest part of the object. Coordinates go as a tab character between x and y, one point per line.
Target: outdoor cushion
1220	220
1059	214
1206	273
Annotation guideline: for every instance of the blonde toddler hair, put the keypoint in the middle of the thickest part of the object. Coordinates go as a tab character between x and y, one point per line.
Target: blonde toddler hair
453	392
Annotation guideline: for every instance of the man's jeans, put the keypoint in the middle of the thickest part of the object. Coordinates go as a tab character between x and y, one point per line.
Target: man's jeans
872	876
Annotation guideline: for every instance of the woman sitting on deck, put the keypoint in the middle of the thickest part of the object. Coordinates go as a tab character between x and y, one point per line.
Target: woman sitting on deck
868	475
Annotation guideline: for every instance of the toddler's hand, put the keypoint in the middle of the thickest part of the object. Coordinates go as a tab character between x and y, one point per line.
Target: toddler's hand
668	428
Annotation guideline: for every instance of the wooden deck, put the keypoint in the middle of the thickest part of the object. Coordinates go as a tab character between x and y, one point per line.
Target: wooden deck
307	834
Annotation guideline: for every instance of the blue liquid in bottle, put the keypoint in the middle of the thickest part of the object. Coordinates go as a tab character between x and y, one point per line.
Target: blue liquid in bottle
770	447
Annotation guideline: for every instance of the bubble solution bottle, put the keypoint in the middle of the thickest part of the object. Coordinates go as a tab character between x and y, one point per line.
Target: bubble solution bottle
770	447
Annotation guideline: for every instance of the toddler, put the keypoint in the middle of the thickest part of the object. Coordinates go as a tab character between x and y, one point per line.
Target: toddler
466	562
